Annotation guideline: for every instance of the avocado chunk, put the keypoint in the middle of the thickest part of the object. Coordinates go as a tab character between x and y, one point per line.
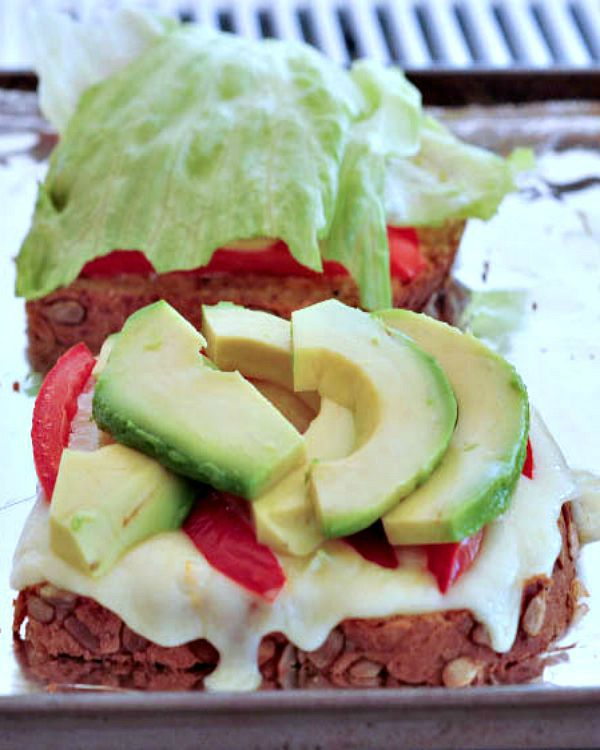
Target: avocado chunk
159	395
403	407
256	343
475	480
284	517
294	409
106	501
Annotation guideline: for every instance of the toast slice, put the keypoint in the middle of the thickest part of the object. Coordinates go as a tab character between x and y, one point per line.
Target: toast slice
90	309
67	639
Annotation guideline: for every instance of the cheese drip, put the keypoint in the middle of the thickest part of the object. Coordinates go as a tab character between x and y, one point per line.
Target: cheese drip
165	590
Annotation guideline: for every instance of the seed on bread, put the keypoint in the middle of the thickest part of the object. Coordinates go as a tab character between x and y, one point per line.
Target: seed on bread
40	610
535	614
58	597
81	633
365	674
68	312
460	672
480	636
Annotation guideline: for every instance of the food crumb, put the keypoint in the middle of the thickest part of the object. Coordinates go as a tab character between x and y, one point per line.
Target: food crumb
16	386
486	270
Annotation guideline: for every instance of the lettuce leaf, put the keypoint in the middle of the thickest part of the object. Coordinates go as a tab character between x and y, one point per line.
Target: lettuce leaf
390	126
180	140
448	179
202	140
69	55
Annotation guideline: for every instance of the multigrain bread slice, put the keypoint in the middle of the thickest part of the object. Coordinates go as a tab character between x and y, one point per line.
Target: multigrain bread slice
64	638
90	309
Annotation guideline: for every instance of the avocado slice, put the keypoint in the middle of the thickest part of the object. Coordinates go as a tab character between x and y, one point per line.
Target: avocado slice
294	409
403	406
254	342
106	501
475	480
159	395
284	517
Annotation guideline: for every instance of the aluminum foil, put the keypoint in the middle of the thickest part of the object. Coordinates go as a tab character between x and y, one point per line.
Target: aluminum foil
528	282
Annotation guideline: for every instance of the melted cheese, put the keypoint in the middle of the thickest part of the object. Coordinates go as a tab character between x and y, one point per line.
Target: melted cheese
165	590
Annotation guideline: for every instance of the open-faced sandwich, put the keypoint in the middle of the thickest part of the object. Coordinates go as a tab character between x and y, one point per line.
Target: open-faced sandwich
349	499
202	167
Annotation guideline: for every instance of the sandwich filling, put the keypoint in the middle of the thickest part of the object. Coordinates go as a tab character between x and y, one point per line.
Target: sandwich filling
165	590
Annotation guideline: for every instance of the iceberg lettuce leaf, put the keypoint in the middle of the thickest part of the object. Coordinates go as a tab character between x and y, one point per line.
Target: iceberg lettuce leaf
447	179
389	127
69	56
202	140
180	140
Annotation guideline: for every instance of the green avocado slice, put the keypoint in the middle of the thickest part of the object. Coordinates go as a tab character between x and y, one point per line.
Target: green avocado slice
294	409
108	500
284	516
259	345
403	407
475	480
158	394
256	343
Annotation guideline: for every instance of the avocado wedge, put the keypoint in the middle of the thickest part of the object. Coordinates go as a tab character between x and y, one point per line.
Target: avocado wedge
475	480
403	407
256	343
106	501
158	394
294	409
284	516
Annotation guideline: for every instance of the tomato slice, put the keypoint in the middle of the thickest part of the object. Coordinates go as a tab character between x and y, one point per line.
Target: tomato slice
406	261
54	410
116	263
224	535
448	562
528	465
372	545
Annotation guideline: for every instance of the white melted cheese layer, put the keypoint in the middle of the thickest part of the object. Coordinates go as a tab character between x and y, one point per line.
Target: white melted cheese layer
165	590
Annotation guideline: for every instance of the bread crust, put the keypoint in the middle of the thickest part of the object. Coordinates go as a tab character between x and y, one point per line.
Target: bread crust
64	638
90	309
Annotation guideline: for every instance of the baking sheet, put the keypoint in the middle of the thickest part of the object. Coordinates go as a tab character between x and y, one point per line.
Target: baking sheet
537	266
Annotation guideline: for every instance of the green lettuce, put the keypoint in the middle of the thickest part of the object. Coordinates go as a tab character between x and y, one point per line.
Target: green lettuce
69	55
448	179
389	127
200	139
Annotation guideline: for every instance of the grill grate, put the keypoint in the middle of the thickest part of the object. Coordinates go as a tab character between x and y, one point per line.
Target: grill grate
417	34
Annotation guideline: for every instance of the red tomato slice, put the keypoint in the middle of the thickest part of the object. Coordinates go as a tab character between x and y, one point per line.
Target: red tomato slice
528	465
116	263
276	260
406	261
224	535
448	562
372	545
54	410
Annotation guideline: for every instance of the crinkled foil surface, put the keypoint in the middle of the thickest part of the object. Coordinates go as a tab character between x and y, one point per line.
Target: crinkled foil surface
528	281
